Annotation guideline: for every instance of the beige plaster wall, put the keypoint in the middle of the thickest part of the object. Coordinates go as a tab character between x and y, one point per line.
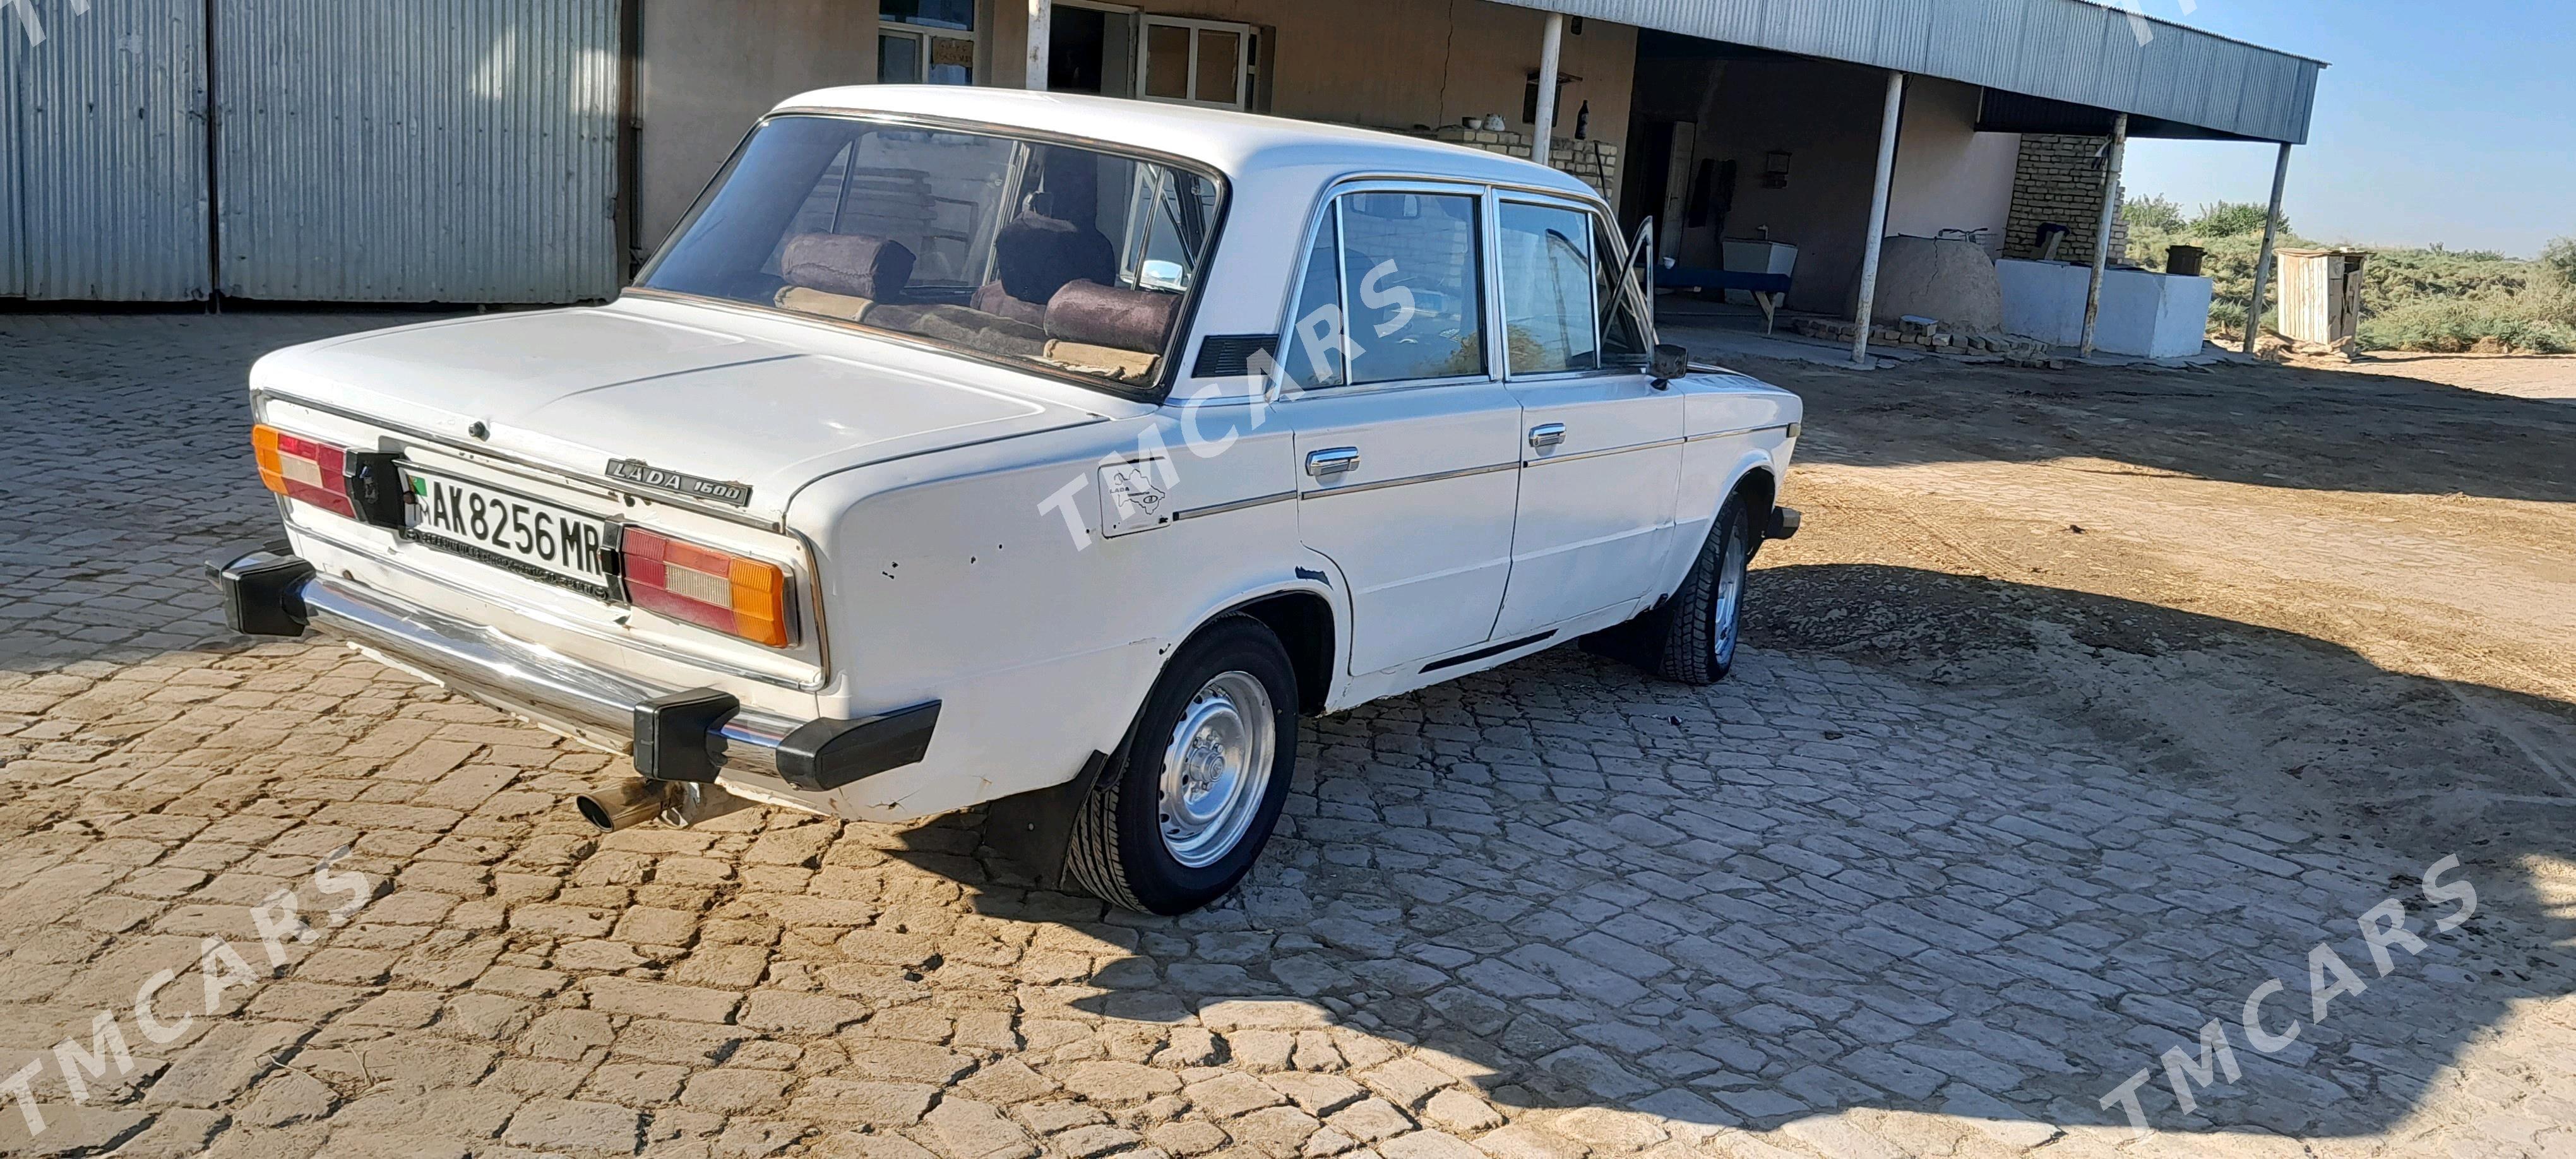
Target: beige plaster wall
711	67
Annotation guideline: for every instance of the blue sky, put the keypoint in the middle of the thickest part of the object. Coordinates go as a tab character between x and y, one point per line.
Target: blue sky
2438	122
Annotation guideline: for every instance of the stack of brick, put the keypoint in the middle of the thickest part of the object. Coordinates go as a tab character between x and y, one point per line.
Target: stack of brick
2059	179
1594	163
1931	338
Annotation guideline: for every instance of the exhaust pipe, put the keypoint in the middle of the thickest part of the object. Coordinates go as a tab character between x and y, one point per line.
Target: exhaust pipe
629	802
633	801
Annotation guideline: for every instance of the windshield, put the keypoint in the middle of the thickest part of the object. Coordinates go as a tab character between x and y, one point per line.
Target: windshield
1051	254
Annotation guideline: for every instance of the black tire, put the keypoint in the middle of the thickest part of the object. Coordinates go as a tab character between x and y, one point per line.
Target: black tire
1118	851
1689	644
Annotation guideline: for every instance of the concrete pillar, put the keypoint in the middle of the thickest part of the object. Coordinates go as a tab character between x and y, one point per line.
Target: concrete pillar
1039	12
1551	47
2263	264
1887	121
2102	234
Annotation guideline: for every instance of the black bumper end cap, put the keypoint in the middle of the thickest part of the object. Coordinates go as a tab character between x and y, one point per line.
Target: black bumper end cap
259	584
1784	523
671	734
823	755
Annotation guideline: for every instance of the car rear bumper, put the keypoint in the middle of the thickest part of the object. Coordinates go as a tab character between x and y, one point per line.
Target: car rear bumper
673	734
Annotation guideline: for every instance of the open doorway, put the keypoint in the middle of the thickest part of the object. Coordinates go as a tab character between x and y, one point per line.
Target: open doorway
1091	48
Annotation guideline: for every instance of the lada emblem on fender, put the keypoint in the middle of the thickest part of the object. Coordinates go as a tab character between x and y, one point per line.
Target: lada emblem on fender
644	474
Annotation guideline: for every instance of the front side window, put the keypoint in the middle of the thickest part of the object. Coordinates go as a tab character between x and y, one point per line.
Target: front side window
1548	284
1071	258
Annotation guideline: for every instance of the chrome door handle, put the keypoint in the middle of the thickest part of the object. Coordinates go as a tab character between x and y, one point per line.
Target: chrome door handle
1546	435
1337	461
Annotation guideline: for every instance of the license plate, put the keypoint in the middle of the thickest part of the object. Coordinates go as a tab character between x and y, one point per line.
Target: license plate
510	531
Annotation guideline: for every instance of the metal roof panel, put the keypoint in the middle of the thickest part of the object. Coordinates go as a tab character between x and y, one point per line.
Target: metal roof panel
2078	51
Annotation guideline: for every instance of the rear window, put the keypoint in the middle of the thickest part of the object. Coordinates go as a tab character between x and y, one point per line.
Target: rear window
1069	258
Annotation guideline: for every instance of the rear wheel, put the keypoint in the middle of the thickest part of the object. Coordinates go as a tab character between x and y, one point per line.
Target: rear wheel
1702	622
1182	811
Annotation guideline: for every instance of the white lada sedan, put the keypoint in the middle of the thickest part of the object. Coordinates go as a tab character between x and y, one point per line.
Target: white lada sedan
972	446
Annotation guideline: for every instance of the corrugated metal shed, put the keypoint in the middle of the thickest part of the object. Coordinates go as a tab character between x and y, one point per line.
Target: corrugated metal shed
13	260
426	151
2067	50
107	139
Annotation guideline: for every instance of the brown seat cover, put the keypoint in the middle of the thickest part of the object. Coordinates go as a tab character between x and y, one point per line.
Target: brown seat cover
1098	315
857	264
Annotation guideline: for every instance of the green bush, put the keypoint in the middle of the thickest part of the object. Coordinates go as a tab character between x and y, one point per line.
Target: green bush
2152	213
2430	299
2232	219
2560	260
2532	324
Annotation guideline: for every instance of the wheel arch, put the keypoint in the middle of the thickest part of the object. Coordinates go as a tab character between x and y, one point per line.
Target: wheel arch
1307	625
1760	488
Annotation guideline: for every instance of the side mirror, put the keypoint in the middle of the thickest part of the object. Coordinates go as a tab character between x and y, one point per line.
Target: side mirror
1163	275
1670	362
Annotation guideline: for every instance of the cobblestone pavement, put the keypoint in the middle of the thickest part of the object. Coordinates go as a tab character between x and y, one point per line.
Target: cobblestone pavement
1551	911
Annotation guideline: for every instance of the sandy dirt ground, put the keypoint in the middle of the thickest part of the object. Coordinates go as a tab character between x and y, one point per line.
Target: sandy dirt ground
2349	586
2521	376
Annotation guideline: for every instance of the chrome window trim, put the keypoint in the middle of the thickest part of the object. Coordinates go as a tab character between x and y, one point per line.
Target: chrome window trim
1328	205
1390	386
1600	352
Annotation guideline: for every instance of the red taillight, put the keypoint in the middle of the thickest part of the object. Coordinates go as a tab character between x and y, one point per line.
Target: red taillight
301	469
706	587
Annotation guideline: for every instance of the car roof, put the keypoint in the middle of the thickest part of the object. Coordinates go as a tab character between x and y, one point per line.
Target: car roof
1238	145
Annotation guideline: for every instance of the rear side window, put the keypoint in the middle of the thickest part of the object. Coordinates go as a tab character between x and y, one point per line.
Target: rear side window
1391	292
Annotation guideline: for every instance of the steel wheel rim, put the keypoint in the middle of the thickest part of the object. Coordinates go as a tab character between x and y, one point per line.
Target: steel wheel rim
1729	604
1216	769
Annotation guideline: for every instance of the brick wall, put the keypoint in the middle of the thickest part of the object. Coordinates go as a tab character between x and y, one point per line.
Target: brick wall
1594	163
2058	180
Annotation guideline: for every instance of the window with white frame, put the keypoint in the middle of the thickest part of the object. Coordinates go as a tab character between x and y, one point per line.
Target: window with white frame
926	42
1195	62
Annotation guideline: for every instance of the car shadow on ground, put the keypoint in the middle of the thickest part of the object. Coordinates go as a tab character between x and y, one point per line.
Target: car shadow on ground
2263	426
1823	886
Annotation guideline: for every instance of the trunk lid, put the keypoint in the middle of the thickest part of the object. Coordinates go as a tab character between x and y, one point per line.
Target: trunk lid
706	392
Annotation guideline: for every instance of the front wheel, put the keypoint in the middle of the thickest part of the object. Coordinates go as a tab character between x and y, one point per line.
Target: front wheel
1704	619
1182	812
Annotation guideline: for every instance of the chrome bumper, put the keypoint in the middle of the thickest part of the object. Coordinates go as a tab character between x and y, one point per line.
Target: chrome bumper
679	735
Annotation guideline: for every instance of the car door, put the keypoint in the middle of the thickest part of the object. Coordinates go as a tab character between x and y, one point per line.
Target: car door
1407	442
1601	446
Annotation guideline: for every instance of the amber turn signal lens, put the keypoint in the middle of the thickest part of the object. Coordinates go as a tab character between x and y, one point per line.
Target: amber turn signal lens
303	470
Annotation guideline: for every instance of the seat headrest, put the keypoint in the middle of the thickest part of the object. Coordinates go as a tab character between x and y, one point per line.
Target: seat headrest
1098	315
857	264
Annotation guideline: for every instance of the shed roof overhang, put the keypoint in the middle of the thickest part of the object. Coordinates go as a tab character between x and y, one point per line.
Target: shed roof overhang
2063	57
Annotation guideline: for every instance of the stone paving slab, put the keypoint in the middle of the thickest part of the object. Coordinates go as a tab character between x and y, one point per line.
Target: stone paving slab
1550	912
